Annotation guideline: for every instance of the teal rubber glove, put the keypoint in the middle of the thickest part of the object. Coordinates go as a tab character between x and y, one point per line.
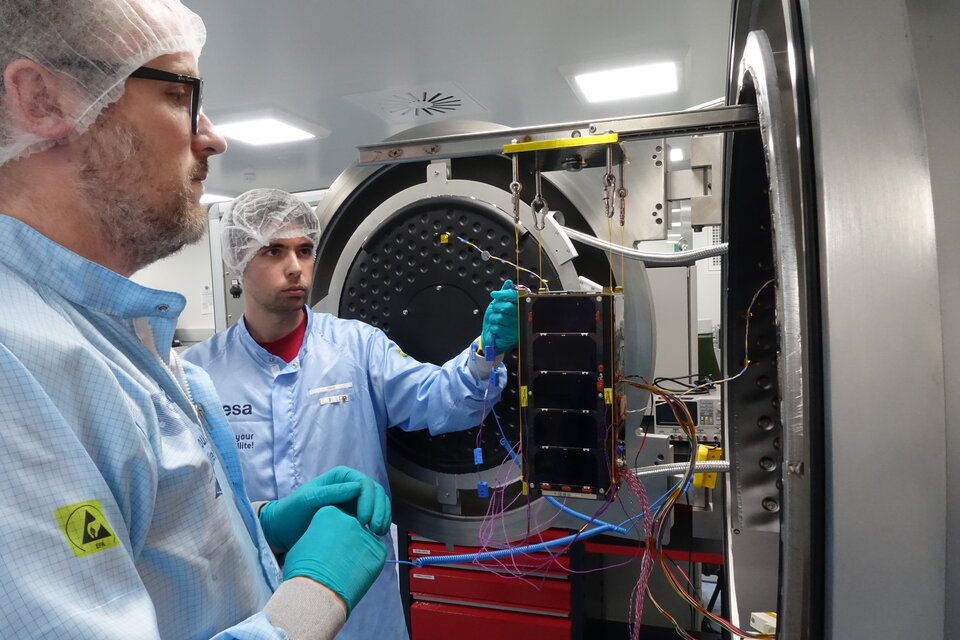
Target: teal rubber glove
285	520
500	319
339	553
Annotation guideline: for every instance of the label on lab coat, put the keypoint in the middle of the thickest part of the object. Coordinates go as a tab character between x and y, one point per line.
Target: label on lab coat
333	399
333	387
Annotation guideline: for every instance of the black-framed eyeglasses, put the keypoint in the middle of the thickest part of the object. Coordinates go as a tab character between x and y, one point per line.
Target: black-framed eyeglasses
150	73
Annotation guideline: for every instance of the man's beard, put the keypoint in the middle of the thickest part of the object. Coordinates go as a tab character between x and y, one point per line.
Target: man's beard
143	221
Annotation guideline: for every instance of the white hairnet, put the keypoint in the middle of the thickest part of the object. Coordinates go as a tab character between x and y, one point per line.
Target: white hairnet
92	44
260	216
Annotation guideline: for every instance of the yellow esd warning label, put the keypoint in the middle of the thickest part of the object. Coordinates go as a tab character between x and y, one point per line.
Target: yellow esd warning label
85	528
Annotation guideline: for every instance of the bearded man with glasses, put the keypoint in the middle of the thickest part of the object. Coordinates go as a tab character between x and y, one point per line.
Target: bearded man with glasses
125	514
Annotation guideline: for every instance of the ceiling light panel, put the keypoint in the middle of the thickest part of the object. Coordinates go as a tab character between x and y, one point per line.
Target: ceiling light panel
267	126
263	131
628	82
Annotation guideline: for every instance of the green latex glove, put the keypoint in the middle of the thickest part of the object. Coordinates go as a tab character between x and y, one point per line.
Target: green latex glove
285	520
339	553
500	319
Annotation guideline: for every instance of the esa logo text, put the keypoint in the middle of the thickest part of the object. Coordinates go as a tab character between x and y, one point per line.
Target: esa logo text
238	409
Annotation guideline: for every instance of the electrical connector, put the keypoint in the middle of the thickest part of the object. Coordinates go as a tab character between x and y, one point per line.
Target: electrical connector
707	480
764	621
478	456
483	489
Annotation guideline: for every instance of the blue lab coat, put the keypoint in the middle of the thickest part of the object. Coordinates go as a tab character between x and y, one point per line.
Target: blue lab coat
332	405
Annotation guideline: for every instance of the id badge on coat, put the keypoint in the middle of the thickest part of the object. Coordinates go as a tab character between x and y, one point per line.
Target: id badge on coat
333	394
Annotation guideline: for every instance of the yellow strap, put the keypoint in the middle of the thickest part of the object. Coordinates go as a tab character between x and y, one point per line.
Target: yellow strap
540	145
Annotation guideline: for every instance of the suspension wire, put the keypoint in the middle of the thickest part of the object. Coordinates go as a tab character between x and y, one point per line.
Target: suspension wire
539	207
622	197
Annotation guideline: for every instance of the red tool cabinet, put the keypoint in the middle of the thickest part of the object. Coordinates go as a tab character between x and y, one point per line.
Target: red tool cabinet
468	602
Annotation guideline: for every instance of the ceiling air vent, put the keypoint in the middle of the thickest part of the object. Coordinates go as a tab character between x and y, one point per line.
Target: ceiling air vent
412	105
422	104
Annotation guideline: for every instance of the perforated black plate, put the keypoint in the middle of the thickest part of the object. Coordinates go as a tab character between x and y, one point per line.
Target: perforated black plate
429	296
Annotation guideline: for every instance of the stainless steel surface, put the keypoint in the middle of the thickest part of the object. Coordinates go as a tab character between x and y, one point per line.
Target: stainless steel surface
682	123
645	179
659	125
706	158
881	321
778	126
762	77
645	190
933	30
716	466
702	183
846	78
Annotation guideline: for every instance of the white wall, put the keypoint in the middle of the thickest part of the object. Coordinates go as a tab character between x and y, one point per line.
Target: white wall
186	272
671	308
708	282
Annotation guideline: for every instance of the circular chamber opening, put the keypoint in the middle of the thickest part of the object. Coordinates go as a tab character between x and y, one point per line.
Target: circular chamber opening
751	290
772	406
435	310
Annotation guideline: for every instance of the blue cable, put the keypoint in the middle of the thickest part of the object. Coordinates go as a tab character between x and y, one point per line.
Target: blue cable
576	514
490	555
534	548
582	516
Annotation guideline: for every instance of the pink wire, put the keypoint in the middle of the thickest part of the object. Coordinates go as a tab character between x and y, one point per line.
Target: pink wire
637	597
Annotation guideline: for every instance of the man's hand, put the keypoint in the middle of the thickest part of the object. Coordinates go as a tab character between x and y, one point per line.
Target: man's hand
286	519
500	319
339	553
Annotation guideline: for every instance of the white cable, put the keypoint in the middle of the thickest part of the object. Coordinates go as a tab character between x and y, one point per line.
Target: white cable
649	258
